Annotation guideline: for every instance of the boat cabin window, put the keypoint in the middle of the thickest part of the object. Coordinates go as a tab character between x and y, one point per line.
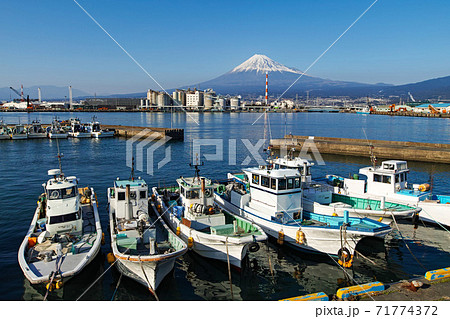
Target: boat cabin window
273	183
193	194
297	182
182	191
388	166
143	194
63	218
96	127
264	181
62	193
402	166
282	184
397	178
121	196
255	179
290	183
403	177
112	193
382	178
132	195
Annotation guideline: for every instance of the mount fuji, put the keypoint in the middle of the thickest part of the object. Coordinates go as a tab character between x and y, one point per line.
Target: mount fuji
248	78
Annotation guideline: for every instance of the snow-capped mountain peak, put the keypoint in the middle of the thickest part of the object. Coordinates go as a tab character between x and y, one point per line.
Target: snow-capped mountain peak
262	64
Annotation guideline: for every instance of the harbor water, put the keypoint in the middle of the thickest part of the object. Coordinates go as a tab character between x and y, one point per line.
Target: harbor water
274	272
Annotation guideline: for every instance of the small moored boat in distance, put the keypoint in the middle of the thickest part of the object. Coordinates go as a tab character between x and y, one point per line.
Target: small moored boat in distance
97	131
19	132
188	208
65	233
4	131
144	248
56	131
36	130
78	130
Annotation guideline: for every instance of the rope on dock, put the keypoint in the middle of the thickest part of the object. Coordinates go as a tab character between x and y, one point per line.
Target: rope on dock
229	269
406	244
117	287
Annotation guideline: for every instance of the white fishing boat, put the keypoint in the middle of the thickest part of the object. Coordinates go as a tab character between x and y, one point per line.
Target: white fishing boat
19	132
55	131
65	233
319	196
97	131
78	130
363	110
189	210
36	130
390	181
144	247
272	198
4	131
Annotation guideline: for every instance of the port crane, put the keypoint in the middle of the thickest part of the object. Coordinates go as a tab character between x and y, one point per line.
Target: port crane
29	104
412	98
19	94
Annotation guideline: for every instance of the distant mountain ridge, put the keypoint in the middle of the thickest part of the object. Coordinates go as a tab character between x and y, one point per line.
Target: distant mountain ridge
248	79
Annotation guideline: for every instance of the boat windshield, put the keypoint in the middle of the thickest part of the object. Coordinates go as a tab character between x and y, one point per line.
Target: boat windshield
62	193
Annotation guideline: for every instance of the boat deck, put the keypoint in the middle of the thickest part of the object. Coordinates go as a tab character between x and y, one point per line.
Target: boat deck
42	258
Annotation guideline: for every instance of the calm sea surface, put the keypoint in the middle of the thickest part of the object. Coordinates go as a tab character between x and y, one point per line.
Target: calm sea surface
24	165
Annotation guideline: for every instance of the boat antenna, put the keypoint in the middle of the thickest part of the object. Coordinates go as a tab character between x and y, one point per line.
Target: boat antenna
59	156
373	158
196	165
132	169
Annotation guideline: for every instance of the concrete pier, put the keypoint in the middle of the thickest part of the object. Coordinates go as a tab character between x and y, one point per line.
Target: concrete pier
423	152
175	134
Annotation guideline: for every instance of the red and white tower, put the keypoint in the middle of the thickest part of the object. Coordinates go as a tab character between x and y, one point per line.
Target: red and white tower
267	85
21	93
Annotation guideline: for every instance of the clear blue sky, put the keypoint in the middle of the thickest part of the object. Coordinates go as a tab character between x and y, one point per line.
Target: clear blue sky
49	42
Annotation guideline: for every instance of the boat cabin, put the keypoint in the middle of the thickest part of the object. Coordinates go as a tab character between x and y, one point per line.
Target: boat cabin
63	210
36	127
130	198
75	125
197	195
277	191
302	165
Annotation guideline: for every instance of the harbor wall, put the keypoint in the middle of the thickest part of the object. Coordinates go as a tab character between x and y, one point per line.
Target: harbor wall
423	152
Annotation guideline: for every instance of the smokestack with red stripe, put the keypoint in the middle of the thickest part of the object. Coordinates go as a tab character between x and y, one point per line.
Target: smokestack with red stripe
267	85
21	93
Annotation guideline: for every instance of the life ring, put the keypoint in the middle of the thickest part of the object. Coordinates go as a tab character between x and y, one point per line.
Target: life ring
221	189
253	247
344	254
345	258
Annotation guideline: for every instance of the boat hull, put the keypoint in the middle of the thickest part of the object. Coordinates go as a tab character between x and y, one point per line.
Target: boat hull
222	248
19	136
318	208
102	134
154	271
317	239
5	137
37	135
79	135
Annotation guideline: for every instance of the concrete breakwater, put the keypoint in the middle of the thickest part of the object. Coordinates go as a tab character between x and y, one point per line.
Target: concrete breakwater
423	152
144	132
